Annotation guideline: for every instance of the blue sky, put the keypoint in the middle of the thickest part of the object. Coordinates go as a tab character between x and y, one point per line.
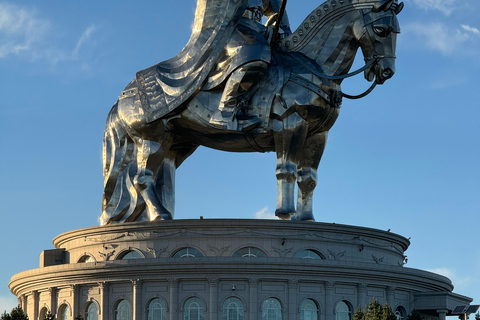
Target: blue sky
405	158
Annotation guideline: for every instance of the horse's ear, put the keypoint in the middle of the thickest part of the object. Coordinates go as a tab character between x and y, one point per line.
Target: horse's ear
382	5
399	8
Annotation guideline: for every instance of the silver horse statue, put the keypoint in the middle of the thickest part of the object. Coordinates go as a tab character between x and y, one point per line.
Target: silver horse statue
165	113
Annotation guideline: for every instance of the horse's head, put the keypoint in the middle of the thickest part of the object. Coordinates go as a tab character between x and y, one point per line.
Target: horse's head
377	36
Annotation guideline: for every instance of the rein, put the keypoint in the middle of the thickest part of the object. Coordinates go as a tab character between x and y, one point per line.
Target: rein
313	68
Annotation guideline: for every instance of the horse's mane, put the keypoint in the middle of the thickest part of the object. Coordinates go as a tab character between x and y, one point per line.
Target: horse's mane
325	13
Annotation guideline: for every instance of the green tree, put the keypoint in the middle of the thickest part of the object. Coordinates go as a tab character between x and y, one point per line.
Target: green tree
415	315
358	314
477	316
5	316
48	316
16	314
373	310
387	313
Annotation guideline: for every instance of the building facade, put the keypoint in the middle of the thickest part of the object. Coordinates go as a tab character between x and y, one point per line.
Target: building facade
228	270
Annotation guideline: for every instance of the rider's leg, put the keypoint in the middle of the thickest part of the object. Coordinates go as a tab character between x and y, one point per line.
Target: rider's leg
237	87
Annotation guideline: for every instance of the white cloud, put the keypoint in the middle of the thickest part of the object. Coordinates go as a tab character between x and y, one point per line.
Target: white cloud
8	303
470	29
458	281
445	6
23	33
265	214
441	37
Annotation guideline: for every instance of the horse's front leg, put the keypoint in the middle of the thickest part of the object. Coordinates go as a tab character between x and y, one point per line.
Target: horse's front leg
309	159
289	137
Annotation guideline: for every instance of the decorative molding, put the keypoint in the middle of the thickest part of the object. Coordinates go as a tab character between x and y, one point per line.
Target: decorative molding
335	256
282	252
377	260
219	251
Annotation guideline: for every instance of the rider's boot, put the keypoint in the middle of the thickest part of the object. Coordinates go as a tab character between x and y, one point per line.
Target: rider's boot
229	115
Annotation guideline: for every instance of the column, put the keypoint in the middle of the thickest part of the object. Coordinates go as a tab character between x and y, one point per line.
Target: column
104	301
391	296
329	307
292	300
22	300
137	299
35	297
361	295
53	301
173	291
213	303
253	299
442	314
75	307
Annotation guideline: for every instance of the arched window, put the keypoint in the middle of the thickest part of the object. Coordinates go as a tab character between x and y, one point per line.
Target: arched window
343	311
86	259
64	312
123	311
157	310
400	313
131	254
194	309
232	309
187	252
308	254
308	310
43	313
249	252
271	309
92	312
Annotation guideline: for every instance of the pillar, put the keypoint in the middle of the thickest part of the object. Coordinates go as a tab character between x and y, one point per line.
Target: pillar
329	307
35	297
361	295
104	301
292	300
391	296
213	303
53	301
442	314
173	284
253	299
137	299
75	295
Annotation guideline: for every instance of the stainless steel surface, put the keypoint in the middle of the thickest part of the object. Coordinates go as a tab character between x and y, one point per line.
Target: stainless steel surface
164	114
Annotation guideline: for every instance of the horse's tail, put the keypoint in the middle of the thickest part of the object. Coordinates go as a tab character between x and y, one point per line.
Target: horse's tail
121	202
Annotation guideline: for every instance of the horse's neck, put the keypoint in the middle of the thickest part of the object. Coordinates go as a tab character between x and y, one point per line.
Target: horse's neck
334	47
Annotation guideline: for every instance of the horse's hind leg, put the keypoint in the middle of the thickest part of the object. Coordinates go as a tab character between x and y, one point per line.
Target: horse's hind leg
154	161
165	183
289	139
309	159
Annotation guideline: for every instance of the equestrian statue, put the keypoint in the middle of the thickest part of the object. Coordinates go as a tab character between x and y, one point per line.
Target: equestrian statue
242	85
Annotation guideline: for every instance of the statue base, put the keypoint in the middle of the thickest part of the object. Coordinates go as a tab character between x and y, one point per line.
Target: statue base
255	264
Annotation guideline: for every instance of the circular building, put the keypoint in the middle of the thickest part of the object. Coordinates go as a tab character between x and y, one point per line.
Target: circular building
219	269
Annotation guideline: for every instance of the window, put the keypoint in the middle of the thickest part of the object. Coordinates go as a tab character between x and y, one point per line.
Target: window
157	310
343	311
188	252
64	313
123	311
271	309
194	309
308	310
400	313
249	252
308	254
43	313
232	309
132	254
86	259
92	312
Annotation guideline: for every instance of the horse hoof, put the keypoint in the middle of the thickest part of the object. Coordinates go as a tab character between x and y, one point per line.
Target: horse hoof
284	214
